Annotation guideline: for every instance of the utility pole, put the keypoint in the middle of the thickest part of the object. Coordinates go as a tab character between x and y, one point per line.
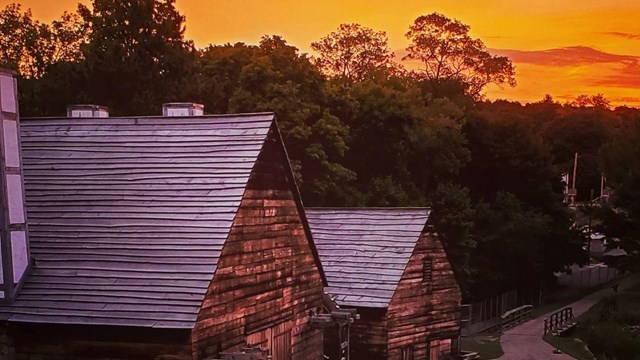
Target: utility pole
602	188
590	209
573	186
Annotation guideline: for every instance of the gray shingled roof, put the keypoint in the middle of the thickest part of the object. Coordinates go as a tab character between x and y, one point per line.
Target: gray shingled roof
364	251
127	217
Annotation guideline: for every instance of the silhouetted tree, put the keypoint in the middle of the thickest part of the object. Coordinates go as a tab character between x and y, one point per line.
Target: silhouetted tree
136	57
354	52
596	101
448	52
30	47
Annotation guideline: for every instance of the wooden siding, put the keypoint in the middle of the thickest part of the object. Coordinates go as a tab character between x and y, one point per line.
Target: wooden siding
368	340
420	312
66	342
267	274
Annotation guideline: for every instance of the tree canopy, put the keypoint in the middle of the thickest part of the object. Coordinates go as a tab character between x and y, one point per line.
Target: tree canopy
448	52
142	42
30	47
621	221
354	52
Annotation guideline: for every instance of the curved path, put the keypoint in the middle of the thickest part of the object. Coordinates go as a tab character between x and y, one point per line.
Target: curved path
524	342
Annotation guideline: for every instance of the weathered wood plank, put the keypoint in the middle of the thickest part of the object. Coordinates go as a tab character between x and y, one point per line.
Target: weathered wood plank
267	273
419	311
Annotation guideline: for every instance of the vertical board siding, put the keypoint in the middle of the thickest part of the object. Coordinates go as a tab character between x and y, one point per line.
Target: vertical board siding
417	315
267	273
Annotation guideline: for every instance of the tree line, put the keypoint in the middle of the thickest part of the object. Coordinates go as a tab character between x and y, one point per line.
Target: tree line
361	129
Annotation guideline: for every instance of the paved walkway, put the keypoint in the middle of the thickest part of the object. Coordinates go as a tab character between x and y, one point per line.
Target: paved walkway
524	342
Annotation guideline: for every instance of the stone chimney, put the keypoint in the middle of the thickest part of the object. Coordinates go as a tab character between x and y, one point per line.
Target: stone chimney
182	109
14	242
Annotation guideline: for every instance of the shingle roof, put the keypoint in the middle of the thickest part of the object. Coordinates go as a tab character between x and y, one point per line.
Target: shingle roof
364	251
127	216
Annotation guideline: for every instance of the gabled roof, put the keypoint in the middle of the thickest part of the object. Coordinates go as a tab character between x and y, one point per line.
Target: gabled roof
127	216
364	251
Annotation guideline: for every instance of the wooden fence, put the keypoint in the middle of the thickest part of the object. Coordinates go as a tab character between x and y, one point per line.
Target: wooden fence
588	276
486	315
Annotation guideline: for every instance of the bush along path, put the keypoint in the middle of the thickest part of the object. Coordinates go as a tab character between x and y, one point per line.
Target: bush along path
524	342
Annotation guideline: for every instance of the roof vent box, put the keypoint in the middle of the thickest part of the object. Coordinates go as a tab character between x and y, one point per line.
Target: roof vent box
87	111
182	109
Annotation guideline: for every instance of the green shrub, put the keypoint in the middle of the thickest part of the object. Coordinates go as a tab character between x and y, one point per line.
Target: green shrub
612	339
629	318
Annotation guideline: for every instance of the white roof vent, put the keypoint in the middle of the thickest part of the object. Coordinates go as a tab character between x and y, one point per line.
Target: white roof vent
182	109
87	111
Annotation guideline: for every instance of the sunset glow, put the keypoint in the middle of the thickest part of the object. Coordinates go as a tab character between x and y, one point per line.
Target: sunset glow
564	48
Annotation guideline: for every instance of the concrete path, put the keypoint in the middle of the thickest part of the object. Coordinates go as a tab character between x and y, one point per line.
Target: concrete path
524	342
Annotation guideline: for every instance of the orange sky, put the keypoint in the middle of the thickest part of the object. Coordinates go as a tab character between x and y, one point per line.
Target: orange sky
565	48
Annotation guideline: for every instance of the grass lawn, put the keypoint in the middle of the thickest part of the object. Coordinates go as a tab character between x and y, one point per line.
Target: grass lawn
570	346
487	346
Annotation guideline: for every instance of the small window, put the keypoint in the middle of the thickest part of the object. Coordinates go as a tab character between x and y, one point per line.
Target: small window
427	274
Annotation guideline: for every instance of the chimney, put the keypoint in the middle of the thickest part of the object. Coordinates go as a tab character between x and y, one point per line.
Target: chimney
182	109
14	242
87	111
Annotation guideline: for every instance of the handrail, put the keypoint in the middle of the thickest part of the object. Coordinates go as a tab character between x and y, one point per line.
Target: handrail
516	316
559	322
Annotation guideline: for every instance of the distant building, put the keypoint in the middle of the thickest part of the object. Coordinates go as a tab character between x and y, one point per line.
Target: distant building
152	237
388	265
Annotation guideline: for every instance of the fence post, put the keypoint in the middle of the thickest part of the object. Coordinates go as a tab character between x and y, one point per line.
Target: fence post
540	293
600	275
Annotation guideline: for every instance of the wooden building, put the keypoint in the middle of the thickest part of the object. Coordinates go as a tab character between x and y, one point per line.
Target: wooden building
161	238
387	264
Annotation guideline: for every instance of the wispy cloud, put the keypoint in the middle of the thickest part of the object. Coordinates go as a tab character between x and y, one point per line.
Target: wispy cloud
626	77
495	37
605	69
622	35
565	56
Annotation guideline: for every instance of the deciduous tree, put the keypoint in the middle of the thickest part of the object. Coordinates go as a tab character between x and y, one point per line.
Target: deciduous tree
275	76
448	52
453	218
30	47
596	101
621	161
354	52
136	56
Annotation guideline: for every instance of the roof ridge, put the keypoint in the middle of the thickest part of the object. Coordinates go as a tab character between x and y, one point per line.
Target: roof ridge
248	114
369	208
